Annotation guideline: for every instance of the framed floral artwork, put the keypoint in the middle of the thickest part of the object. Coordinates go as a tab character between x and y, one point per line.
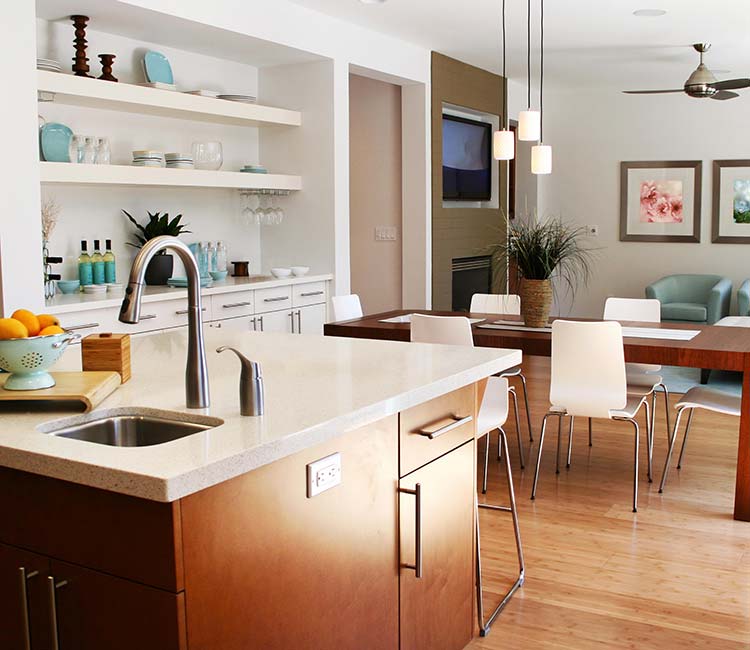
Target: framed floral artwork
660	201
731	199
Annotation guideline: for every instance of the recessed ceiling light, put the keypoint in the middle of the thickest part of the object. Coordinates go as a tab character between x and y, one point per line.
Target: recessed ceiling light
649	12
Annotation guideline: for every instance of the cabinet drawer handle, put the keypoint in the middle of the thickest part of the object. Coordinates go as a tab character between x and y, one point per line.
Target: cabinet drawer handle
148	317
417	492
311	293
23	577
53	586
231	305
457	422
182	312
86	326
279	299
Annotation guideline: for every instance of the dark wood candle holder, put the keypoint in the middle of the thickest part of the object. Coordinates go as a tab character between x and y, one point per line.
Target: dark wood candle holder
107	61
80	60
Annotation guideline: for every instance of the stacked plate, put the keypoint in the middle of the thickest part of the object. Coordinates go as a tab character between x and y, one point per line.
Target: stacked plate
203	93
245	99
95	288
179	160
48	64
254	169
148	159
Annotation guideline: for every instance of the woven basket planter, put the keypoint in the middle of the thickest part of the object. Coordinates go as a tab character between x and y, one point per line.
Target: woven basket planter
536	302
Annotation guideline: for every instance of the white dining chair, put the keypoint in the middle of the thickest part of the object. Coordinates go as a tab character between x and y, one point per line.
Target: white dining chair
588	379
346	307
697	398
492	415
508	305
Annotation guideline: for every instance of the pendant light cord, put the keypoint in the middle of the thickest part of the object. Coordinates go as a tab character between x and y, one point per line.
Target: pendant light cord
528	53
541	75
505	79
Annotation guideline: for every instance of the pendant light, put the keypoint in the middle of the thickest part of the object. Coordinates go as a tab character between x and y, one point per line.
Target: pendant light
504	140
528	120
541	154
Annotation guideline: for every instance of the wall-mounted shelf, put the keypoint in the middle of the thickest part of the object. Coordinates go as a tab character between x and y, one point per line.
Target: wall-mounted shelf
74	174
95	93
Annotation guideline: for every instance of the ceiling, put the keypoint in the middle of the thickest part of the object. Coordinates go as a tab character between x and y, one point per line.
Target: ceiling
588	43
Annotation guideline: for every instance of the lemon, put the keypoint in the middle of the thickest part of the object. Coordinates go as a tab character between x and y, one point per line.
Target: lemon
10	328
50	330
29	319
45	320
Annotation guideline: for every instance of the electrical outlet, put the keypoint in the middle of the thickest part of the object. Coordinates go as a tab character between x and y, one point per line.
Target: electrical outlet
323	474
386	233
592	231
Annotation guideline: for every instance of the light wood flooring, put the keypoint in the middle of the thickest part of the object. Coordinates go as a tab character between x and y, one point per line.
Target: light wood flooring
674	575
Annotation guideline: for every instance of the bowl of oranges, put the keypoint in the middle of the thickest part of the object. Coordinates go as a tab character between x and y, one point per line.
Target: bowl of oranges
29	346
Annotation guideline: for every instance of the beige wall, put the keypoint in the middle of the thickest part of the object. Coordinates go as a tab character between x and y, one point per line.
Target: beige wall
375	191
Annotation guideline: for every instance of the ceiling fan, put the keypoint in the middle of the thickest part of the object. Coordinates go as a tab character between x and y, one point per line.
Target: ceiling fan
702	83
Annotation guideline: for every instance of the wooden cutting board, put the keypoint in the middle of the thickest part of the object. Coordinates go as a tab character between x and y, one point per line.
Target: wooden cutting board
89	388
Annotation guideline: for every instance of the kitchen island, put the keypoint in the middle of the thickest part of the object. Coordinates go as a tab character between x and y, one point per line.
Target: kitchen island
215	541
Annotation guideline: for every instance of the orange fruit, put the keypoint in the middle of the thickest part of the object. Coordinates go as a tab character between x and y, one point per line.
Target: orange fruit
10	328
45	320
29	319
51	330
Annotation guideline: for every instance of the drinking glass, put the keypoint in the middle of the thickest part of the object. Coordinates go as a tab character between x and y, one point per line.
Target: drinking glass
208	155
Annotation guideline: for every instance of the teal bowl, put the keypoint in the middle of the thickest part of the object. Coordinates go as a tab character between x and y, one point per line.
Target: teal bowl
29	360
69	286
218	275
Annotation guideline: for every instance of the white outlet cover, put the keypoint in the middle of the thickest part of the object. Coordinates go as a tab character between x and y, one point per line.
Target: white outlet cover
323	474
386	233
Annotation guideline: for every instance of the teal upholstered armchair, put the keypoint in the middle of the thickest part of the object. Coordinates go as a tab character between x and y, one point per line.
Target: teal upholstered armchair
743	299
693	298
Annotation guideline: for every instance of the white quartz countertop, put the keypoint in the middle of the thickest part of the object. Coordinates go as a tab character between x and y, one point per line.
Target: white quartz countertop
63	303
316	388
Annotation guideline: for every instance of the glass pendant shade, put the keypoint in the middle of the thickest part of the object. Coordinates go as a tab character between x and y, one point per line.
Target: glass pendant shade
504	145
541	159
529	125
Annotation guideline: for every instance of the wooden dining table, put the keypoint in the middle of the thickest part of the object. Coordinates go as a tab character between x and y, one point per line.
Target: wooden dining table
714	347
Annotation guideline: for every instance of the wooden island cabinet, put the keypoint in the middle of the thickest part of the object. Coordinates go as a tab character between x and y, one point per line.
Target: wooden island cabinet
252	562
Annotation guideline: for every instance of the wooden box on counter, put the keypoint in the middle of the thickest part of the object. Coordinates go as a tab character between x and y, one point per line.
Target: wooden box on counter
107	351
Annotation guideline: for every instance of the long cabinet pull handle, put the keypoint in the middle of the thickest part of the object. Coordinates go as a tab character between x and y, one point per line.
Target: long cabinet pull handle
291	316
311	293
182	312
52	587
299	322
260	320
23	576
254	321
279	299
417	493
85	326
457	422
148	317
231	305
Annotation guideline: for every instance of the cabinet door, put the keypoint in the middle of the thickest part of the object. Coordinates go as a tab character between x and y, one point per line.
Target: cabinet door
276	321
243	324
94	611
310	320
437	609
24	615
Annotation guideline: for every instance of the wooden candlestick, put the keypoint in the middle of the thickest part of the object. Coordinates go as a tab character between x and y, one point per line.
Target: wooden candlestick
107	60
80	65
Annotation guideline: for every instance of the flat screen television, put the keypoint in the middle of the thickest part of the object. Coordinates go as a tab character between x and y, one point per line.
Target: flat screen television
467	162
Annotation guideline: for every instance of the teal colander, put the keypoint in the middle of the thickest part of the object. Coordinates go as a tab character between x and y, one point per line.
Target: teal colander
28	360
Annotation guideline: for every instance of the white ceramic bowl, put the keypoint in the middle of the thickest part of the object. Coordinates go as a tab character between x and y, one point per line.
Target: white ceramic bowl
281	272
299	271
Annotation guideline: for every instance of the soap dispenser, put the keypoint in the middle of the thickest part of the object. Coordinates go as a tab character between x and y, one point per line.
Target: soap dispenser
251	384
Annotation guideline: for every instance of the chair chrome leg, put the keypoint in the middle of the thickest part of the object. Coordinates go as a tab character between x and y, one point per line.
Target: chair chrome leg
635	465
591	439
518	428
559	436
666	405
570	441
672	439
684	440
486	462
649	437
526	406
652	422
484	627
539	455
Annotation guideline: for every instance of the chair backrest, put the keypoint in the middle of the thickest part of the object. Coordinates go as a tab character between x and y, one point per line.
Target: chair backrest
645	310
449	330
496	303
588	368
493	413
346	307
686	287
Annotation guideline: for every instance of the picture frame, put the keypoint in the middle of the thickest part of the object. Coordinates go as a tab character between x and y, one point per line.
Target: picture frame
730	222
660	201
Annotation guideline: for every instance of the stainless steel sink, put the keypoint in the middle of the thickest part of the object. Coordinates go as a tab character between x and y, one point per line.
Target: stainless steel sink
130	427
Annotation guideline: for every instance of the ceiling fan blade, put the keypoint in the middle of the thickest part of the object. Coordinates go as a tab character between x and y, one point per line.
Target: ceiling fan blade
724	94
652	92
731	84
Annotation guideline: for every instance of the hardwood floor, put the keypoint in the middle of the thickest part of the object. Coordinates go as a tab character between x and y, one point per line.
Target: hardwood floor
674	575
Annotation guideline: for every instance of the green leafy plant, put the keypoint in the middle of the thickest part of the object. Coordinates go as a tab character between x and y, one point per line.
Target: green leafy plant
158	225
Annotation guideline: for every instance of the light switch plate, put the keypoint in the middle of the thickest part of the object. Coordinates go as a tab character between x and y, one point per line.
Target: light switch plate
323	474
386	233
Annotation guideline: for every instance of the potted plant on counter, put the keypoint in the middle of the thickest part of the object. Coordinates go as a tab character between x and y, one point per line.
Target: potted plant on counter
160	268
541	250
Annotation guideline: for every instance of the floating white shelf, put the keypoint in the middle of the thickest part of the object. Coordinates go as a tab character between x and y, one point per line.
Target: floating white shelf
75	174
95	93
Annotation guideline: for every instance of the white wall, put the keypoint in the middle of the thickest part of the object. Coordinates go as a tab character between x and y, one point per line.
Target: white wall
591	133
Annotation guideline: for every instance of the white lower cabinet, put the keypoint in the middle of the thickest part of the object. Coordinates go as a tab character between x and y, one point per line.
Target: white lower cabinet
241	324
310	320
276	321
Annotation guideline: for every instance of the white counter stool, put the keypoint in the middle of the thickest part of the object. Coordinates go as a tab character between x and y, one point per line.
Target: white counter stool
346	307
588	379
510	305
697	398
